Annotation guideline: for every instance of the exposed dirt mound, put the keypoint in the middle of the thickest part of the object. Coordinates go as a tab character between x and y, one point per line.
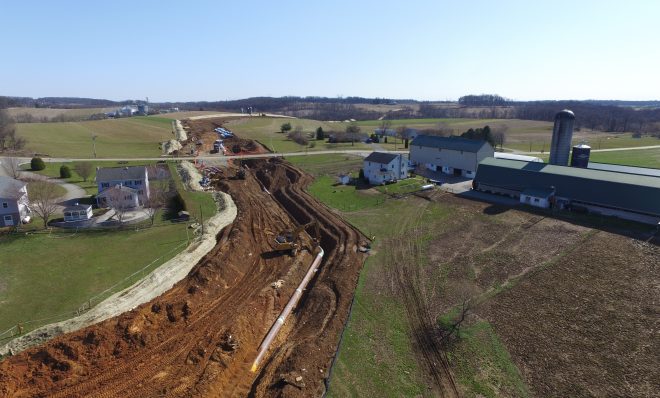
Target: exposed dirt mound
200	338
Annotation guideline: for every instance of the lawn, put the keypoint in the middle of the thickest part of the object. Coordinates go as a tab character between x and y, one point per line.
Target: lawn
91	188
121	138
328	164
344	197
46	275
200	205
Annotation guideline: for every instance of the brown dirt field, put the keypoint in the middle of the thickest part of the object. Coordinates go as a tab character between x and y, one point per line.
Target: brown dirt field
202	130
200	338
587	325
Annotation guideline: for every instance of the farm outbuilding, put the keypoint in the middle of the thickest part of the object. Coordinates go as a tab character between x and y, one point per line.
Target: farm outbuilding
624	195
451	155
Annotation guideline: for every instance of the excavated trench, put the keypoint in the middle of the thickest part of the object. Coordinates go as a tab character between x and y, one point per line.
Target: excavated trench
200	338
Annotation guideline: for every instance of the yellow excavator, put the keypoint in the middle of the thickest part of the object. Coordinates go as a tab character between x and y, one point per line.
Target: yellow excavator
290	240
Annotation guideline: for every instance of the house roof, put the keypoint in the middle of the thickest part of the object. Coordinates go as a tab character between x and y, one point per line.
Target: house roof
122	188
632	192
453	143
9	186
120	173
381	157
78	207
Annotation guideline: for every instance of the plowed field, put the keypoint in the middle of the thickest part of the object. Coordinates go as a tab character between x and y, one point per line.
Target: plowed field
200	338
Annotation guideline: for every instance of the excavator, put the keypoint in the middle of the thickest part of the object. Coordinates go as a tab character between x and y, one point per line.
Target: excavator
290	240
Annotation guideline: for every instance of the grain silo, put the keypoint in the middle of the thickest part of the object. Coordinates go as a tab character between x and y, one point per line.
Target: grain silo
580	156
562	134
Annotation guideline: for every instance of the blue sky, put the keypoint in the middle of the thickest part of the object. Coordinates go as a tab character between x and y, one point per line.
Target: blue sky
430	50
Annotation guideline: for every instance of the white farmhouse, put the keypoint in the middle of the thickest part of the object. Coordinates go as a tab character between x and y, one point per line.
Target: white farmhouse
380	167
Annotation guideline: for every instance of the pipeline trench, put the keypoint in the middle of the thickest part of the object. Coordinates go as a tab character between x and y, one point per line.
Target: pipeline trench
201	337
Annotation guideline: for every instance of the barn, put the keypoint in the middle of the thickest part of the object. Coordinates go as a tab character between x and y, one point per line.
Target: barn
451	155
625	195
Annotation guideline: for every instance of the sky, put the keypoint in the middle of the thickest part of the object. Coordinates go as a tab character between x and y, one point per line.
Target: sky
418	49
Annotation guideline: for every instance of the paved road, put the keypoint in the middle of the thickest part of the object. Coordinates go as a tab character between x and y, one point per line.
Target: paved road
358	152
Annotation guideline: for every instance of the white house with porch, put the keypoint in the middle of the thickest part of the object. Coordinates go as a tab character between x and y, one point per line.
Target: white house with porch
133	182
380	168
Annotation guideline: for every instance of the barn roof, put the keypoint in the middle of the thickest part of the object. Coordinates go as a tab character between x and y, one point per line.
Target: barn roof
452	143
632	192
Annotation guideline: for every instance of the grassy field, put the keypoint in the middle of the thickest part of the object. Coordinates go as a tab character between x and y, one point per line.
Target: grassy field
638	157
328	164
438	250
44	275
122	138
54	112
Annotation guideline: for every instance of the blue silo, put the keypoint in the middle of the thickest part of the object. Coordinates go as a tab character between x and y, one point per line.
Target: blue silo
580	156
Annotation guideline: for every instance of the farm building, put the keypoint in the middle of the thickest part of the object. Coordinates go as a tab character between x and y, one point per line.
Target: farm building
135	178
77	213
380	167
344	179
451	155
408	134
624	195
515	156
14	202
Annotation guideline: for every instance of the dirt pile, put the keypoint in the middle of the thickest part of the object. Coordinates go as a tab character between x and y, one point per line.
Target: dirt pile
200	338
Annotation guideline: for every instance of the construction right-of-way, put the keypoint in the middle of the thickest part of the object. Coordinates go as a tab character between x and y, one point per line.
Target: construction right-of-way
201	338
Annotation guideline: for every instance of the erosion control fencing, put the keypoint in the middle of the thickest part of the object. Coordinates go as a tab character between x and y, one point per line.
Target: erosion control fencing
263	348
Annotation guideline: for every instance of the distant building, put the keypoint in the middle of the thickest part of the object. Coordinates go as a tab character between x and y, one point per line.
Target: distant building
14	203
344	179
451	155
624	195
77	213
380	167
515	156
135	178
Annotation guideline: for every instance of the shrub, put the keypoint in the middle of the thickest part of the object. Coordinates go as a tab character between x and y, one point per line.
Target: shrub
37	164
361	174
65	171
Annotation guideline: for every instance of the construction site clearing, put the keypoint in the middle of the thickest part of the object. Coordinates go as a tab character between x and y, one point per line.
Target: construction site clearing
208	136
201	338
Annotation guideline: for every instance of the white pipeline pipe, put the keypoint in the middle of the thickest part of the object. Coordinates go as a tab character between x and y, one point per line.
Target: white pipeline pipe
263	348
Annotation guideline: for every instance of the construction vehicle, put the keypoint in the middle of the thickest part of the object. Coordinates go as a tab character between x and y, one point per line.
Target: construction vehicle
290	240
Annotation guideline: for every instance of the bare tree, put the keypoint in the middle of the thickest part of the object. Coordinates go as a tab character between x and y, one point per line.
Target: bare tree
8	138
157	199
467	294
499	133
84	169
116	201
43	199
12	167
353	131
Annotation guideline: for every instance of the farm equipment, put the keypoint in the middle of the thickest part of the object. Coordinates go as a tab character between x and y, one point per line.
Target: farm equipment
290	240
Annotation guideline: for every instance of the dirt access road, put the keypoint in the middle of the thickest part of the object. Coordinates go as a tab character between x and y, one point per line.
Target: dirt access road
200	338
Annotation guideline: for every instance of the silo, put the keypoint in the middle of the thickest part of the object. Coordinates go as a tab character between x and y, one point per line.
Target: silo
562	134
580	156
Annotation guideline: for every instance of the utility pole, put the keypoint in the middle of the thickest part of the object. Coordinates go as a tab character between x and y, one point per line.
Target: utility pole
201	218
94	144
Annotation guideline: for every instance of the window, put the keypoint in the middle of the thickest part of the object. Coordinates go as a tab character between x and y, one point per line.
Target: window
8	218
137	182
5	205
536	200
105	185
67	214
127	197
140	192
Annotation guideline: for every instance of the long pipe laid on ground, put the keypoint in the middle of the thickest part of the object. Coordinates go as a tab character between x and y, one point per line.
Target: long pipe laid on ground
263	348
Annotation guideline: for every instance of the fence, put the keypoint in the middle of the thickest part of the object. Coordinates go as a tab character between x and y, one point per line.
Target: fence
29	325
